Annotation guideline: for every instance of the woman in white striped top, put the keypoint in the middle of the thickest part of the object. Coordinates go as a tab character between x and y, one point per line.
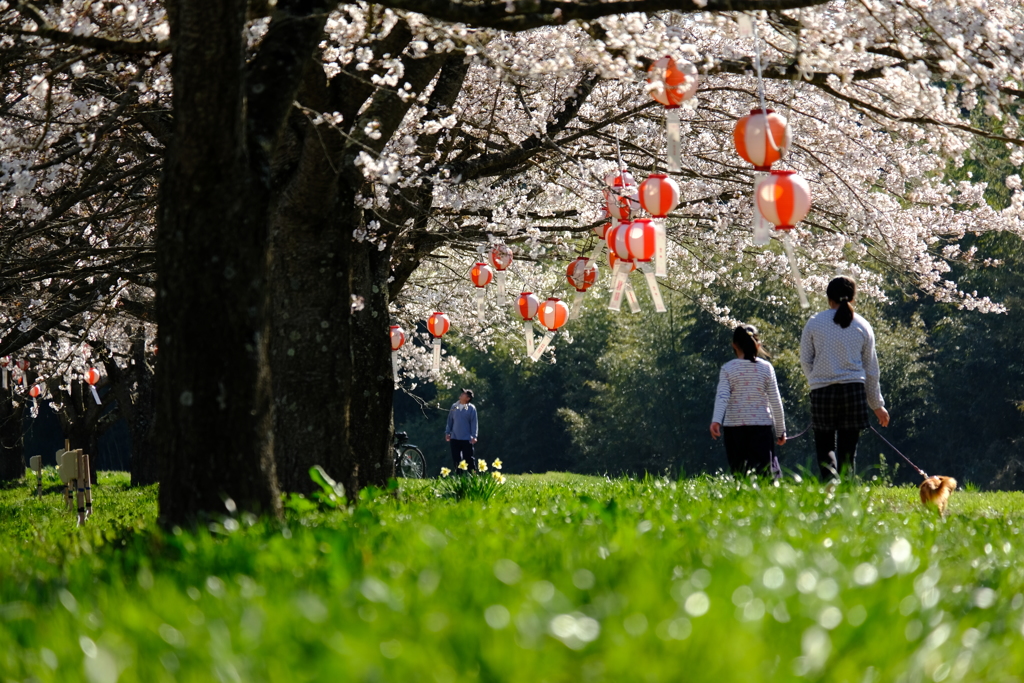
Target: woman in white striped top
748	409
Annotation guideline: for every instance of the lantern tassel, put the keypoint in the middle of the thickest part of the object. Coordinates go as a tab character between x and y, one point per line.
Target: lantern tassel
481	301
660	250
499	279
762	228
437	355
797	280
673	149
577	306
394	366
543	346
35	408
619	284
596	254
634	303
95	394
528	334
652	284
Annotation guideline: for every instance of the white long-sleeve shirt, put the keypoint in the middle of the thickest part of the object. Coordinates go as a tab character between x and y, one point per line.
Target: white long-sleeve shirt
830	354
748	395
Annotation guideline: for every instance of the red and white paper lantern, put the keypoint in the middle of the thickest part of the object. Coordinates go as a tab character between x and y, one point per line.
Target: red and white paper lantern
621	196
92	376
622	265
581	274
659	195
784	199
438	324
397	336
481	275
552	314
37	391
671	82
638	241
762	138
527	305
500	257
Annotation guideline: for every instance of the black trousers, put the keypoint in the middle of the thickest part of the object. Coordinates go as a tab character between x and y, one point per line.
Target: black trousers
462	450
751	448
837	451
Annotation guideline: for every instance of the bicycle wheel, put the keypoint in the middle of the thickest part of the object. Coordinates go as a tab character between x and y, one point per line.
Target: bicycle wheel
411	464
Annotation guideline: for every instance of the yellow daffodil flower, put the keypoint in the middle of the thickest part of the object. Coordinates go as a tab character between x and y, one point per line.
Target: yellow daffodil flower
463	465
496	464
445	471
481	465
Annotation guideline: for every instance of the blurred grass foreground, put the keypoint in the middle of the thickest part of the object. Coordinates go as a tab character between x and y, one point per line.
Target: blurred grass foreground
554	578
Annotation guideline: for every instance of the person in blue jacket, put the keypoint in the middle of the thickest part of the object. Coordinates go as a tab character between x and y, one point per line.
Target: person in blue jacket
461	430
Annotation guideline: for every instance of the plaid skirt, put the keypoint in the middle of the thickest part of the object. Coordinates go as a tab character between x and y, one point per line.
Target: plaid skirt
839	406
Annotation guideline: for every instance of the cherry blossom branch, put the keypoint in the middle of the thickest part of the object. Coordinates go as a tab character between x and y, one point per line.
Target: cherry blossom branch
521	15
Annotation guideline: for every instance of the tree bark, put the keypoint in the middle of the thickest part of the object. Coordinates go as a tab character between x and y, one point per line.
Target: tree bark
12	452
214	436
372	395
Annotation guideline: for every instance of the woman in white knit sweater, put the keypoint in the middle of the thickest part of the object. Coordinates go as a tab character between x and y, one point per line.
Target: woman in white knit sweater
837	352
748	409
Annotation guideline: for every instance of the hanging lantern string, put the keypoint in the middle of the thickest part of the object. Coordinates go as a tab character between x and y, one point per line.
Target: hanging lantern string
760	83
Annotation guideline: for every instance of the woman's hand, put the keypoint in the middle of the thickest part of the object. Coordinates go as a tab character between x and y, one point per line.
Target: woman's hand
883	416
716	430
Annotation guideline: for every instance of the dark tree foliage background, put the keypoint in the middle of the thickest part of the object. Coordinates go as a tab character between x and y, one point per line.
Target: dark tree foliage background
634	393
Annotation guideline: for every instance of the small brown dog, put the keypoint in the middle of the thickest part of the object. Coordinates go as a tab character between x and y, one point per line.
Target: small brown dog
935	491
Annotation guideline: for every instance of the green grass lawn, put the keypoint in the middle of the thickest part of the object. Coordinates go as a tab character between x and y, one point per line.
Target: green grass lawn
556	578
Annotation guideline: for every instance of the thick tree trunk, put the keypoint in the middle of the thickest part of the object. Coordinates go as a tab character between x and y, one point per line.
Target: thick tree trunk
313	373
132	387
214	425
371	410
12	452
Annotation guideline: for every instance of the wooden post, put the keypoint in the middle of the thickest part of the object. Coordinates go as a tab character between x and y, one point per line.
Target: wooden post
36	463
80	485
86	474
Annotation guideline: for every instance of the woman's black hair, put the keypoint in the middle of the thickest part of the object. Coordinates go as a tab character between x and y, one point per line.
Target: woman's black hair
842	290
745	337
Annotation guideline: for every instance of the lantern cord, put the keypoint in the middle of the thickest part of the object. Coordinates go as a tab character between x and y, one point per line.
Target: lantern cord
760	85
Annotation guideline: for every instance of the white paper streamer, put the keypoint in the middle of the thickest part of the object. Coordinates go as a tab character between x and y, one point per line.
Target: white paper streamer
673	149
762	228
660	249
394	366
499	279
652	285
619	285
528	334
634	304
481	301
5	378
95	394
437	355
797	280
577	306
542	347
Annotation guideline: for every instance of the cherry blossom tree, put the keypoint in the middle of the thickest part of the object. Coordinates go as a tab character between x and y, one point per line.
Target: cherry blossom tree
330	165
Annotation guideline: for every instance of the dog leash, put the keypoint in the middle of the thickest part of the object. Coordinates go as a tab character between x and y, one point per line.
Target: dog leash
919	470
797	436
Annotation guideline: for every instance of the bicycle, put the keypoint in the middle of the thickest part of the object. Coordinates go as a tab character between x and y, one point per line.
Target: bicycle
409	460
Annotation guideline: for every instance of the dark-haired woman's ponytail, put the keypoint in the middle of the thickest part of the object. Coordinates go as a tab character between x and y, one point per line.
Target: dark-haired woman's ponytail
842	290
844	314
747	341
